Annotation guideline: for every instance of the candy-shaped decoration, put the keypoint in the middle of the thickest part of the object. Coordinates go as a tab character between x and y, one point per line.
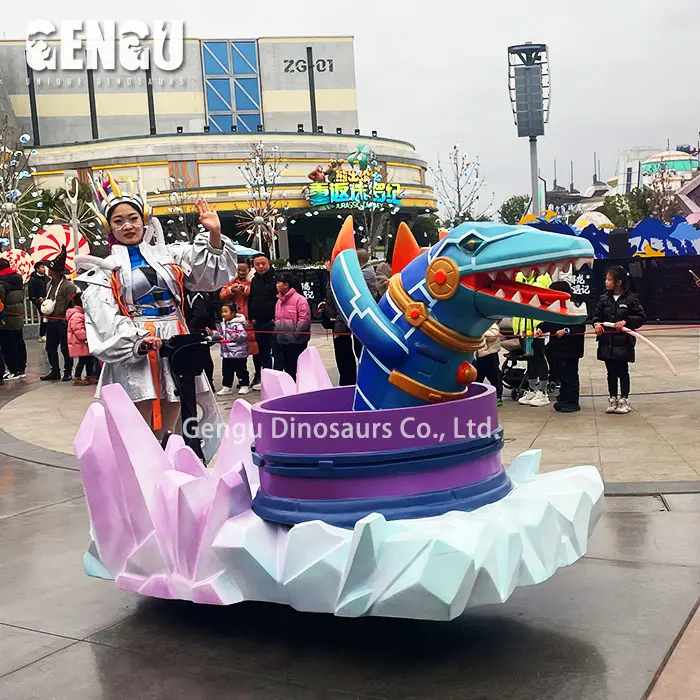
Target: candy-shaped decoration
47	245
20	261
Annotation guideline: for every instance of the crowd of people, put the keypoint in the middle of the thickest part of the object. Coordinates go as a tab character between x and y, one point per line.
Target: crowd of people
553	352
263	315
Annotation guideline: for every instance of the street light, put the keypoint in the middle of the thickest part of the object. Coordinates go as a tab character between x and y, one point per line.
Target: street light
72	186
528	87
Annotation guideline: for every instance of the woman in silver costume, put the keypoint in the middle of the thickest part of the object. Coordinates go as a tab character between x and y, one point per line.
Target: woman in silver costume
133	301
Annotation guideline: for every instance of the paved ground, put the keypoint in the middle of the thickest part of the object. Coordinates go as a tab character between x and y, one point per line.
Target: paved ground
600	630
656	442
618	625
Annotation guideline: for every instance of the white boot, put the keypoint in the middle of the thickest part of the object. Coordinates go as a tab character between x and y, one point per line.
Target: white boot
540	399
225	391
612	405
244	390
527	397
623	406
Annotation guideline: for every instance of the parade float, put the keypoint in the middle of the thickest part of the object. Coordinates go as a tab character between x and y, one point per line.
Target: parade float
389	498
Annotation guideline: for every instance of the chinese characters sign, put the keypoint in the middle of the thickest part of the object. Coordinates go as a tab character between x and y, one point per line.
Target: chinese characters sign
352	189
307	289
581	285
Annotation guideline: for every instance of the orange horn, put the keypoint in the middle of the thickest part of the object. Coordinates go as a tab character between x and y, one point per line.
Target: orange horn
345	240
406	249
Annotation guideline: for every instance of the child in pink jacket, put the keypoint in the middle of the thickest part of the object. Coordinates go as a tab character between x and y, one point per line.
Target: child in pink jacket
292	322
78	345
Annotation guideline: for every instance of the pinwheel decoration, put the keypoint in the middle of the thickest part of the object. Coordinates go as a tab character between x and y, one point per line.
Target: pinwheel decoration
259	222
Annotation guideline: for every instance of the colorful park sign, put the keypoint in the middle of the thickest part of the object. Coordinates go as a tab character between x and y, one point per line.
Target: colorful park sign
353	189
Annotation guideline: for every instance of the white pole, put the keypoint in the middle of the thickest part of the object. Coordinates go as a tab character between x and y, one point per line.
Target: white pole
534	174
12	233
72	186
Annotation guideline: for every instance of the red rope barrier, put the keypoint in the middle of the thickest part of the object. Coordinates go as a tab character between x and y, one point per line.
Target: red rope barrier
326	332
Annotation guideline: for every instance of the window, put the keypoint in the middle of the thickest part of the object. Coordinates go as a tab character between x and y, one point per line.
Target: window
216	58
232	85
628	182
221	123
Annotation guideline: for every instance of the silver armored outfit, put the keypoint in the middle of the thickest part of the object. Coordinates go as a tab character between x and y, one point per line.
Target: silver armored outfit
151	294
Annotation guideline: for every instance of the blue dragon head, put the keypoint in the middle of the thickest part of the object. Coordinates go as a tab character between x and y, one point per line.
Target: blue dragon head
468	278
441	300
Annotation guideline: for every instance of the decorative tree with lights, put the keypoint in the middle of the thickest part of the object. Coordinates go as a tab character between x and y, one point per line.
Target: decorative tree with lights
24	208
263	218
20	203
181	222
371	217
459	185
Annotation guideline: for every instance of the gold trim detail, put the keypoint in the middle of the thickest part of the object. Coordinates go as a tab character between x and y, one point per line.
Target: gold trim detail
445	270
430	326
422	391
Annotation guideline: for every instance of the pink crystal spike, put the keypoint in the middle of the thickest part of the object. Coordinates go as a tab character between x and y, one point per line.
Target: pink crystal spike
276	384
133	441
116	527
311	372
235	448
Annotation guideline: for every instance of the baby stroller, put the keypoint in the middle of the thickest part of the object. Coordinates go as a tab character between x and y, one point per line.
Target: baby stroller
513	374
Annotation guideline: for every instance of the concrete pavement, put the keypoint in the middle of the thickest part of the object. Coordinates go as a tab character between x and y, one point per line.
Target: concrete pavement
621	624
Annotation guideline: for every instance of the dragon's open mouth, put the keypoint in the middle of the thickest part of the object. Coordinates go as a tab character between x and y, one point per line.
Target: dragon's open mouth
501	284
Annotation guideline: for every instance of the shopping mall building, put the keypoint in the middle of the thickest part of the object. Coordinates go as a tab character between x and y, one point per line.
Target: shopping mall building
192	130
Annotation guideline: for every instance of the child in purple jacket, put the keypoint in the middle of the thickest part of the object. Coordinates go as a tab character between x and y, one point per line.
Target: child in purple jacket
234	354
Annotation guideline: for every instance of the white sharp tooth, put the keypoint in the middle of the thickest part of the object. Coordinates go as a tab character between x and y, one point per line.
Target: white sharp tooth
509	274
554	306
571	308
527	271
580	262
517	298
535	301
500	294
492	275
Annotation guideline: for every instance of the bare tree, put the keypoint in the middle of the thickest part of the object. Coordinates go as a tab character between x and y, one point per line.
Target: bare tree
372	225
458	184
661	196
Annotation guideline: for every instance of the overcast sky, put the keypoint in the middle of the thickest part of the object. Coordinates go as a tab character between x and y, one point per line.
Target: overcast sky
433	72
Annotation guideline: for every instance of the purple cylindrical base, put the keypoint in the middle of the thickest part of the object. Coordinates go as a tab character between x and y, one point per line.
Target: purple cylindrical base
323	422
382	486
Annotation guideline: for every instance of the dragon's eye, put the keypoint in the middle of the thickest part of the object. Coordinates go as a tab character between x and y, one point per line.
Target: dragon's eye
470	244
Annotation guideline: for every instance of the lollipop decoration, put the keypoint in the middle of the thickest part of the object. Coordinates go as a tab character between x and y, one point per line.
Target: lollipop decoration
48	242
20	261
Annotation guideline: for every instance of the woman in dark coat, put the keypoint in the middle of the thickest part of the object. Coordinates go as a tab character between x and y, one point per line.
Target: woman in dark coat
621	307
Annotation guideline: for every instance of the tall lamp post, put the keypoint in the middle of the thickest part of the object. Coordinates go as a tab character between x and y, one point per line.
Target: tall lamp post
528	87
72	185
